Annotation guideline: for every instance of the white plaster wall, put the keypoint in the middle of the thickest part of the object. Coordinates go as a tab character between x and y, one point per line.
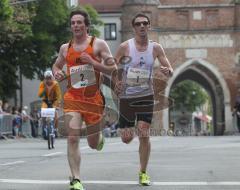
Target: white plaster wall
112	18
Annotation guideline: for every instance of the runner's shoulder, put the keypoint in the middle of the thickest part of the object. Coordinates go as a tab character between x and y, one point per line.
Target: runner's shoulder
124	48
99	42
64	46
124	44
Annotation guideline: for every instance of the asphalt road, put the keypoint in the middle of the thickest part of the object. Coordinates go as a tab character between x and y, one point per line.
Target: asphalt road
176	163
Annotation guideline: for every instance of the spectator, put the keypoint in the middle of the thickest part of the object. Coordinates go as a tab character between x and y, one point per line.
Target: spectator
17	122
1	112
35	116
113	128
1	104
236	110
107	130
25	120
6	107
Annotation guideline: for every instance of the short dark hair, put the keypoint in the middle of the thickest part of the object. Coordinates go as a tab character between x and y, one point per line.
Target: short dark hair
140	15
84	14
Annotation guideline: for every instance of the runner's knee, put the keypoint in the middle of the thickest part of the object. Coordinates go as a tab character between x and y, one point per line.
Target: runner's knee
73	139
143	129
127	135
127	139
93	145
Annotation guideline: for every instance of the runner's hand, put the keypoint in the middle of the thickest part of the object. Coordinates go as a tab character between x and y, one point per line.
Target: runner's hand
165	71
59	75
86	58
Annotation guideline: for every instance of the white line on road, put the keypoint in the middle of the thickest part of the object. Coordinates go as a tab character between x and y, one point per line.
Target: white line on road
84	147
53	154
12	163
116	143
81	148
189	183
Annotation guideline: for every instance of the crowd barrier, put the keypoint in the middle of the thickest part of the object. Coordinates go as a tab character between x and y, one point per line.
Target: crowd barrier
5	124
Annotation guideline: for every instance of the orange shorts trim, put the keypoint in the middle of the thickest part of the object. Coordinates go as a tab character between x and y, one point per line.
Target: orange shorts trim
90	108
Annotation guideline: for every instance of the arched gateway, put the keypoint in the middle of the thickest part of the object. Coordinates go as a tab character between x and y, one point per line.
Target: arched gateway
208	76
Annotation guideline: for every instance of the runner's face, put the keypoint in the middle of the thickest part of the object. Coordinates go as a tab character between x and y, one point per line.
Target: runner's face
141	26
78	26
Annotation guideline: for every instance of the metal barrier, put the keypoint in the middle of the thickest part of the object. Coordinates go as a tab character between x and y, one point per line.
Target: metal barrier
26	128
5	124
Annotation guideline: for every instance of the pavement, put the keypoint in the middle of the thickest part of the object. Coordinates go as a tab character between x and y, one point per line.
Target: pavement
176	163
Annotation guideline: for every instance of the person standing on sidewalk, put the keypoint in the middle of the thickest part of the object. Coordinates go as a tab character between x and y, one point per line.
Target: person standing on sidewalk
236	110
84	56
135	89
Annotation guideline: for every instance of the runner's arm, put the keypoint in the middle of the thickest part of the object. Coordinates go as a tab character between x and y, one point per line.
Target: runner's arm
59	63
58	95
102	50
165	67
116	83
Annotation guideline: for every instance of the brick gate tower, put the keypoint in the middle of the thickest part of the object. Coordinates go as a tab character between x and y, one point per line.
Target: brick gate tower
202	41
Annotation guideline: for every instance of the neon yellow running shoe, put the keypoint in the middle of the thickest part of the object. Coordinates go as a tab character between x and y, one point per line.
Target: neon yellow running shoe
101	143
76	184
144	179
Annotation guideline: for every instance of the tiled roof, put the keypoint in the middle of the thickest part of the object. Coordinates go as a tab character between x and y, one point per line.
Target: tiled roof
104	5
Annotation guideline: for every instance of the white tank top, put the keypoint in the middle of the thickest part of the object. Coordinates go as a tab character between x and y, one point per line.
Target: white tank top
137	75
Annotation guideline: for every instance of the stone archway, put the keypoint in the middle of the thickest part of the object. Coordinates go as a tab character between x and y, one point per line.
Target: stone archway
212	80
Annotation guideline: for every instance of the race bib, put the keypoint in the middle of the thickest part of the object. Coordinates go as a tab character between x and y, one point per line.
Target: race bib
136	76
82	76
48	112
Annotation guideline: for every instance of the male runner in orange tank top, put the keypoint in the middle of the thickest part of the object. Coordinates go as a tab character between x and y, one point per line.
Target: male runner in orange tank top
85	57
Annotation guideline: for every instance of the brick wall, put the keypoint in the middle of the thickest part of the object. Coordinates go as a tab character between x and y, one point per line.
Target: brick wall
193	2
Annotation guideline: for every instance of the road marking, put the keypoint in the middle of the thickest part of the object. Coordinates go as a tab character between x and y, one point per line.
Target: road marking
12	163
53	154
199	183
116	143
84	147
81	148
187	183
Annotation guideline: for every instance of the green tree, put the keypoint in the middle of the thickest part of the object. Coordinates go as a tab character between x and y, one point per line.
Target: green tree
236	1
188	94
13	29
30	37
49	32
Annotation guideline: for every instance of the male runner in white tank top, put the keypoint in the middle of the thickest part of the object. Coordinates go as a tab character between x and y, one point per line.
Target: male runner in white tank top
135	90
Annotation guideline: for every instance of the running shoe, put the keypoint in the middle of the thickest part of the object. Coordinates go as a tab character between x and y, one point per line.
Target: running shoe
144	179
101	143
76	184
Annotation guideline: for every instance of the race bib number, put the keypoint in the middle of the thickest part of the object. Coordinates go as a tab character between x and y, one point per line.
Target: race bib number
82	76
136	76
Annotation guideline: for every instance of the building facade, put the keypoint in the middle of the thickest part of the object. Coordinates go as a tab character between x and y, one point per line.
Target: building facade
200	38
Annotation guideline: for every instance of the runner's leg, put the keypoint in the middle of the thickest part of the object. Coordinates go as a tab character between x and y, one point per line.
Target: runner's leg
144	144
73	122
93	135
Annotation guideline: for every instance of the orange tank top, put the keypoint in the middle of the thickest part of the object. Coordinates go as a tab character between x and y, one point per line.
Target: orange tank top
84	79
